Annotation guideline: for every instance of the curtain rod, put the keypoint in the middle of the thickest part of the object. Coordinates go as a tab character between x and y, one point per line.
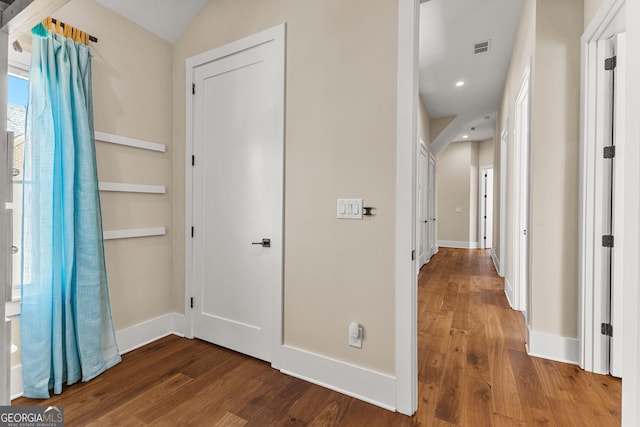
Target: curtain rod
91	38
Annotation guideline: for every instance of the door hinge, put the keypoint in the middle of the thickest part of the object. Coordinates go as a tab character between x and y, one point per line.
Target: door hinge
191	302
413	255
609	152
192	231
606	329
610	63
607	241
193	88
193	160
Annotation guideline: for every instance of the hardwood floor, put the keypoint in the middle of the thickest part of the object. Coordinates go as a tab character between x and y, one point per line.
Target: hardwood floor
473	371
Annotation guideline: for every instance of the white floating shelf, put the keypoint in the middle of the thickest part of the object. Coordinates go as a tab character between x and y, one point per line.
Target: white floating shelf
130	142
134	232
131	188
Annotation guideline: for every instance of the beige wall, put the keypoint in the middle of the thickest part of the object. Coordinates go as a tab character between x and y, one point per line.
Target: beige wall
132	88
132	97
485	155
454	191
523	50
440	124
549	33
590	9
340	140
424	124
458	186
555	156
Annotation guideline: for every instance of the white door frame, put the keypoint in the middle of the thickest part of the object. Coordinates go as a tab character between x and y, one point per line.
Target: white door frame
276	35
422	237
481	206
613	17
504	146
432	205
5	238
521	196
595	121
631	269
406	283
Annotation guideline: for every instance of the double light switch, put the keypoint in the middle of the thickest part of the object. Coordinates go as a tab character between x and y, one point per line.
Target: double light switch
349	209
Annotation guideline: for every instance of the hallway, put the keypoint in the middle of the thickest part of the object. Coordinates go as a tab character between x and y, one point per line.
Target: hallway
473	371
473	366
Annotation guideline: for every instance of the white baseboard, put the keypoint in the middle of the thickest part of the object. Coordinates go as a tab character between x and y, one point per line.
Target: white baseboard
458	245
128	339
364	384
16	382
553	347
496	263
136	336
508	291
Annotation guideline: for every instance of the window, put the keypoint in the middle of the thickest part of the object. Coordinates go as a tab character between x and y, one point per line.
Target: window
18	92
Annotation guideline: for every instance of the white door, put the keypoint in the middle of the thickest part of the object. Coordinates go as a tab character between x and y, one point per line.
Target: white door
433	248
423	220
521	188
486	208
238	197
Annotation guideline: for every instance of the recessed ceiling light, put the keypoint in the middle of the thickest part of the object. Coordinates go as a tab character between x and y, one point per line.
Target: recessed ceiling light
465	136
460	83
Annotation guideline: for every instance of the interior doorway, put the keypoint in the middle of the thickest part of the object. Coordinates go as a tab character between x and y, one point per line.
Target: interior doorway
424	254
235	256
433	247
605	247
502	259
486	207
521	230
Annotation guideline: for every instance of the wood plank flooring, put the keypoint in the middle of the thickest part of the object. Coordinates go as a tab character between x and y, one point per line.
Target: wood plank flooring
473	371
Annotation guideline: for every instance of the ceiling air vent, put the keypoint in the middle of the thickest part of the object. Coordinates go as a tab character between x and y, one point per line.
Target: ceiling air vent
481	47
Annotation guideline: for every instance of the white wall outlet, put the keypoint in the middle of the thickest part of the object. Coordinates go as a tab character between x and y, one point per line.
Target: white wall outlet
349	209
458	210
355	335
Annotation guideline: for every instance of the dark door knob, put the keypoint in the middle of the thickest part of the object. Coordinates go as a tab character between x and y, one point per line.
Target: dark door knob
266	243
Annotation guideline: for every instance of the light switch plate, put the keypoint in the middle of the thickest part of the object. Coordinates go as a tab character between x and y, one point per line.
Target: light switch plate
349	209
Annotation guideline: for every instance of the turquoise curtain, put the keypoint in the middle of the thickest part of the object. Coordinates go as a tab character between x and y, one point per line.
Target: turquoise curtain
66	328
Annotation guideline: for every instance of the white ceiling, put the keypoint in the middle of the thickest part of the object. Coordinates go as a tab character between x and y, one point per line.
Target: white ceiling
448	31
168	19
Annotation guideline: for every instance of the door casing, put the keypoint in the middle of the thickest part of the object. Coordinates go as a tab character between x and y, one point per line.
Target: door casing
277	36
521	189
596	125
485	187
423	205
502	265
433	229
